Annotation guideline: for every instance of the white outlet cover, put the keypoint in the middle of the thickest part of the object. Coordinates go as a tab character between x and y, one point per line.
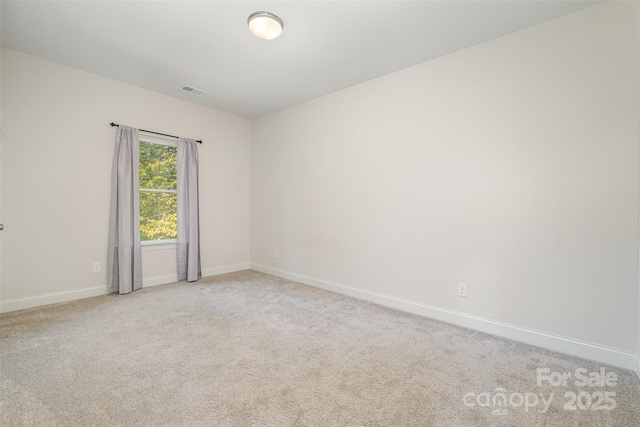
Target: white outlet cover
462	290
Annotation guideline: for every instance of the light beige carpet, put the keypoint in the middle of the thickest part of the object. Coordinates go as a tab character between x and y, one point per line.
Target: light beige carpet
251	349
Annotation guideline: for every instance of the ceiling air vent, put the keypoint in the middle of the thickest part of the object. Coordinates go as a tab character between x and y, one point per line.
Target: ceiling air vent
193	90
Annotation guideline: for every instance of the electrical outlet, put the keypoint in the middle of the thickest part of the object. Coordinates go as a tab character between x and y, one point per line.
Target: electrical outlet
276	255
96	267
462	290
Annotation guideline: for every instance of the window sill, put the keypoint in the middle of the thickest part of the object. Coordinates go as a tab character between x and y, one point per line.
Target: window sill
159	245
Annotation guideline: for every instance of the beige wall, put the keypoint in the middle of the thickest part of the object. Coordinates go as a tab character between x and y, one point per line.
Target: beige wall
56	170
511	166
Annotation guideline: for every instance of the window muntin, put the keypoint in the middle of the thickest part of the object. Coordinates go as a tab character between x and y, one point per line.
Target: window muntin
158	200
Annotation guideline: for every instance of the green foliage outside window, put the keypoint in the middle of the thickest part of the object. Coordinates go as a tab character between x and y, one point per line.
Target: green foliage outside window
158	202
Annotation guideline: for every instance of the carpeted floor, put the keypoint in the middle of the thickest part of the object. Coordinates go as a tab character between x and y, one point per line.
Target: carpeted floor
251	349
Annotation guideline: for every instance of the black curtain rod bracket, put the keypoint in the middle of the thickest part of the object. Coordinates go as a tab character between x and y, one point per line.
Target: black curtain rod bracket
199	141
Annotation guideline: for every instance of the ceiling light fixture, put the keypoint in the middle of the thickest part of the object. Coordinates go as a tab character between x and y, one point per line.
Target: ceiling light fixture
265	25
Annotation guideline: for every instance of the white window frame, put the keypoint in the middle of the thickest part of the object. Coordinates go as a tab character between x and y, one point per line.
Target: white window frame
156	245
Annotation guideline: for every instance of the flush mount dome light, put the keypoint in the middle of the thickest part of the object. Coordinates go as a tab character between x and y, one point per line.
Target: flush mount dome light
265	25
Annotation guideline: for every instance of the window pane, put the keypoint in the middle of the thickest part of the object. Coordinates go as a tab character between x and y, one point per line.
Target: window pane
158	216
157	166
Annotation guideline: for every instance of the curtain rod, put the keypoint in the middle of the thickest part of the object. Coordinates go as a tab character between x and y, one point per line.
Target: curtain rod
157	133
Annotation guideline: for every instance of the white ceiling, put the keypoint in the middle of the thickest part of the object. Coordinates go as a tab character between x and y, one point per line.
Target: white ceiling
325	46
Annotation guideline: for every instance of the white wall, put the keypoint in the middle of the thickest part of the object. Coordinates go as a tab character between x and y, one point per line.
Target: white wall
56	171
511	166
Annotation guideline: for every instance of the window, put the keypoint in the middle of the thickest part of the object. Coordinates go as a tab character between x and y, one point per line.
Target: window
158	200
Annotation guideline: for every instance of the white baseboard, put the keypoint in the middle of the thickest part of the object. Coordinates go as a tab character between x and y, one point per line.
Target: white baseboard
163	280
637	366
611	356
53	298
226	269
159	280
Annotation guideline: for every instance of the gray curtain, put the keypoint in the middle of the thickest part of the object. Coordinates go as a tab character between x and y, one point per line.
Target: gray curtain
189	268
124	263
